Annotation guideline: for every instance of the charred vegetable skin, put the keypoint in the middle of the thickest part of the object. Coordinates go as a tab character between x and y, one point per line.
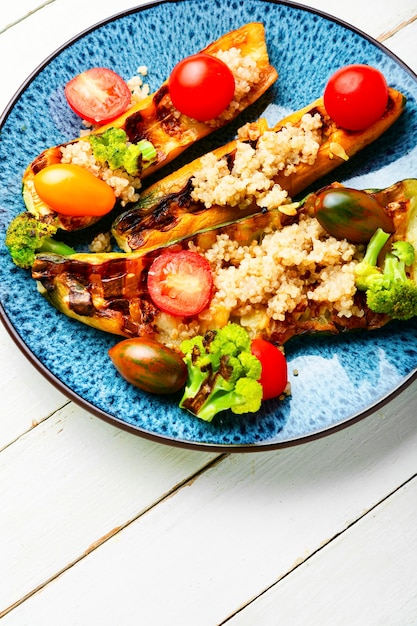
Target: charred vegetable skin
155	120
167	213
108	291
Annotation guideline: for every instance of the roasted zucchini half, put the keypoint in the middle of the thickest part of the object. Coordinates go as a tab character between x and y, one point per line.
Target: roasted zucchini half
109	291
156	120
167	211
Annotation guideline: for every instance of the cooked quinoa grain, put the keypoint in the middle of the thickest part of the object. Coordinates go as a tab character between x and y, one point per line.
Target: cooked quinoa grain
246	74
101	243
289	269
139	89
251	178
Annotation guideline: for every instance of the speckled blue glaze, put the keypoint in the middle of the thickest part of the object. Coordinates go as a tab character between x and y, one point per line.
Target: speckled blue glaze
334	379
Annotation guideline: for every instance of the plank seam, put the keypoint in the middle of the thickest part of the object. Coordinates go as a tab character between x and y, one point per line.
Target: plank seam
313	554
21	19
184	483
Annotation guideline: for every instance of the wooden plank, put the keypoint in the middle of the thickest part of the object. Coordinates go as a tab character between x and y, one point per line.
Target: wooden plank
403	44
26	397
13	12
366	576
68	485
223	539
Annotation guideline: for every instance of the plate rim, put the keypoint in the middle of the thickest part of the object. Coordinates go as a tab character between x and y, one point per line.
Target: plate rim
122	424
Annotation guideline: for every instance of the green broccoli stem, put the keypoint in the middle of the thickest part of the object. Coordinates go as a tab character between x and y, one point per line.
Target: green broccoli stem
213	385
198	392
216	402
147	150
375	245
243	395
394	269
55	247
215	395
196	380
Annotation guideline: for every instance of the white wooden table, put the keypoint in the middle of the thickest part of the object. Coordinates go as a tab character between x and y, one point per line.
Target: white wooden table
99	526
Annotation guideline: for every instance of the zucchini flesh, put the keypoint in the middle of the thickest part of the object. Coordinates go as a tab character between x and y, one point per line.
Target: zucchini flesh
155	119
166	211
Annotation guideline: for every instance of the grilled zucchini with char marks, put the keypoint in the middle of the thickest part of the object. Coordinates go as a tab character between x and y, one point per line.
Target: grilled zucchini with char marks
156	120
109	292
166	210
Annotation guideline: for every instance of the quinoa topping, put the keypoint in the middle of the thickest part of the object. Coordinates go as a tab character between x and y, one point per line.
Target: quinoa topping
139	89
246	74
251	178
288	269
101	243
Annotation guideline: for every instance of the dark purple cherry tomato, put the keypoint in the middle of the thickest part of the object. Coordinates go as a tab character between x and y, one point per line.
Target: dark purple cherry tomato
149	365
350	214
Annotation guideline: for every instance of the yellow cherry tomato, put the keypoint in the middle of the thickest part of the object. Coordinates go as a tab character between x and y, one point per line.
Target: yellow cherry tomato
71	190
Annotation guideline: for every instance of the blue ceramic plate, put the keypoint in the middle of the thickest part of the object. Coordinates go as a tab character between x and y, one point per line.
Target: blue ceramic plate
339	378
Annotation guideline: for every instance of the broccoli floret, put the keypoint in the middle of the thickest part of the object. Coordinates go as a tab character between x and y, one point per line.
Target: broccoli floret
367	270
113	147
251	365
389	290
26	236
404	251
222	373
396	294
232	339
198	362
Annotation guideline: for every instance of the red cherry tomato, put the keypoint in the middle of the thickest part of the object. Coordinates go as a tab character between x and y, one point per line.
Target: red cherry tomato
71	190
180	283
274	377
356	96
98	95
201	86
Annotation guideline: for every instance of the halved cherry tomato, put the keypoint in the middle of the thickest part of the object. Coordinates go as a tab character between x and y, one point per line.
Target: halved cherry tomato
274	377
201	86
149	365
356	96
180	283
98	95
71	190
